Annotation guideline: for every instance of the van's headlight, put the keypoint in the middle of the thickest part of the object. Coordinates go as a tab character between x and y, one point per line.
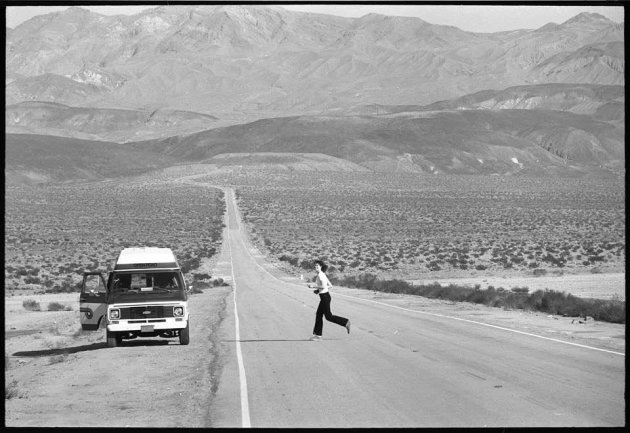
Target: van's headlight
178	311
114	314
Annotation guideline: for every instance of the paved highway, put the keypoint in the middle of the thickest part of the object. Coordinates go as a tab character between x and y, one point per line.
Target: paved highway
397	368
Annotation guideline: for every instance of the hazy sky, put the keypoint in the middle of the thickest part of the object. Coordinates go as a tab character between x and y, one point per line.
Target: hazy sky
476	18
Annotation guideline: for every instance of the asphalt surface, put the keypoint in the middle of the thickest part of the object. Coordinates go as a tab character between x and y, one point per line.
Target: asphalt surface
397	367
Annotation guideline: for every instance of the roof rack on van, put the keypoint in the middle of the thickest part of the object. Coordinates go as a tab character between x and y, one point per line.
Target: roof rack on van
146	258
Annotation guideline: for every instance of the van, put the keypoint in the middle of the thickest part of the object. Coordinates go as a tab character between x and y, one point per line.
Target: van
145	296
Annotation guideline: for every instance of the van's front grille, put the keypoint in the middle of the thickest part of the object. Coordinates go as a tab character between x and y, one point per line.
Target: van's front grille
147	312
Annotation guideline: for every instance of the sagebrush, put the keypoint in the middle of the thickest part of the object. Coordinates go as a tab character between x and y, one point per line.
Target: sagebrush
547	301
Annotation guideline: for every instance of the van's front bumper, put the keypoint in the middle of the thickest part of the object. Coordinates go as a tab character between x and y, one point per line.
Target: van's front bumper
147	325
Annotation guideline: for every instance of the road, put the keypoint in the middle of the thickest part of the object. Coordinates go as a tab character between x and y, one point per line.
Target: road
398	367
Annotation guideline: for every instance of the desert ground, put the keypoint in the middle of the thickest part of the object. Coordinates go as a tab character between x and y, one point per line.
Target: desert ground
58	375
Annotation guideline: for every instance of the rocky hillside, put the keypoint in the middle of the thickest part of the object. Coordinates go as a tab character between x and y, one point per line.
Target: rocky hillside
544	130
509	141
106	124
597	100
242	63
40	159
259	86
283	161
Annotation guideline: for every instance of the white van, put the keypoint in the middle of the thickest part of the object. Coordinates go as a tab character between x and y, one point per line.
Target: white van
145	296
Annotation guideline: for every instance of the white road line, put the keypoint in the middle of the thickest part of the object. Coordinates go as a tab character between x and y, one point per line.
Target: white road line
484	324
239	354
456	318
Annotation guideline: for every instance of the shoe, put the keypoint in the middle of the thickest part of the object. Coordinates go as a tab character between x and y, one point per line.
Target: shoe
348	326
315	338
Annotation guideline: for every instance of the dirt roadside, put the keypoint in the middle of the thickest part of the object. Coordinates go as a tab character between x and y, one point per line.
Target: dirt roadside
61	376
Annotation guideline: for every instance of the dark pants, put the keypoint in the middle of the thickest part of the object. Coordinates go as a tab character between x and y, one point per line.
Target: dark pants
323	310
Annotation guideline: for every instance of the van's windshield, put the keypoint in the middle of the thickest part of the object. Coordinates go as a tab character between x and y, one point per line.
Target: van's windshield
140	286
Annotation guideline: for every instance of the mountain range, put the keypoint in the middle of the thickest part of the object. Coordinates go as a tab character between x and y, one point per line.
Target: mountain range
383	92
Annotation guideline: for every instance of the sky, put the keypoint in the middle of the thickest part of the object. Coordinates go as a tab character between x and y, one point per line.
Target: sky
474	18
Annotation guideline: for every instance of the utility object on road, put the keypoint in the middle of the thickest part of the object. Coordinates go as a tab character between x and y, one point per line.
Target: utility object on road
145	296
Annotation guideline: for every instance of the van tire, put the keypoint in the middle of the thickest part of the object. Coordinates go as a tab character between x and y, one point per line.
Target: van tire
184	335
112	339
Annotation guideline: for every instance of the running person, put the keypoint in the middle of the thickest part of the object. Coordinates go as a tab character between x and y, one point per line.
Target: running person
323	310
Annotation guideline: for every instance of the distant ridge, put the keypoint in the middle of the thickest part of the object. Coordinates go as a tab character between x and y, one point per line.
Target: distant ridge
284	162
107	124
509	142
572	97
34	159
241	63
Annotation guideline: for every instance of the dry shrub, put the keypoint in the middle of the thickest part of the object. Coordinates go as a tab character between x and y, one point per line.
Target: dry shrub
57	359
549	301
56	306
12	390
31	305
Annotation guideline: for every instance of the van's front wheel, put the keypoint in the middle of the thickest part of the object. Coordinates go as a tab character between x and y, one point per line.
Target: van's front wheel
113	340
184	335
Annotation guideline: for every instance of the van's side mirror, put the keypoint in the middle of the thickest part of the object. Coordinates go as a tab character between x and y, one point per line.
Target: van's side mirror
189	289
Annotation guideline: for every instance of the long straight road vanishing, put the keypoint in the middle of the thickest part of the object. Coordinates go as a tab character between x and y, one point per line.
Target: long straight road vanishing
397	368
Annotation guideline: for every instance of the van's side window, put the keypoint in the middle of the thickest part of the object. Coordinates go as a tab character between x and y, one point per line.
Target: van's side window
94	284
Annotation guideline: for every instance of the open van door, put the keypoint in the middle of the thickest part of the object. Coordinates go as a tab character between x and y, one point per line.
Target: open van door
93	301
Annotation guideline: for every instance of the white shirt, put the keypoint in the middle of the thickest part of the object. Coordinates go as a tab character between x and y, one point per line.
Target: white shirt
323	284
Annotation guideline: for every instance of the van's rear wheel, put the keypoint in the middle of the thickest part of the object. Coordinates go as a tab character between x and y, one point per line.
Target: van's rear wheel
184	335
113	339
